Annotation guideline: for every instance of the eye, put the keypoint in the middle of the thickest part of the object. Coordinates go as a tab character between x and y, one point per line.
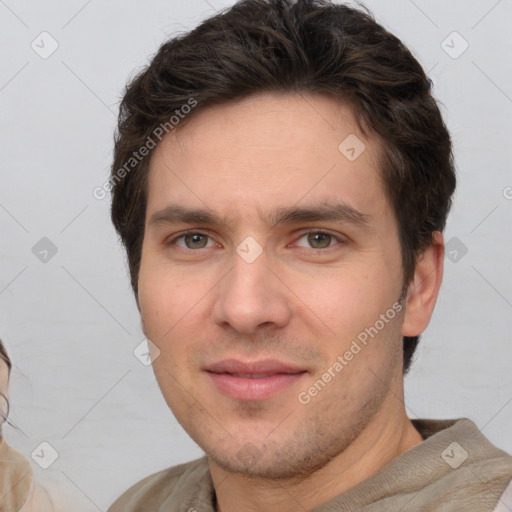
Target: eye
193	241
317	240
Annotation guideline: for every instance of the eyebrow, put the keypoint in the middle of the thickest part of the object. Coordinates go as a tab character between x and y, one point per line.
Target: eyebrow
337	212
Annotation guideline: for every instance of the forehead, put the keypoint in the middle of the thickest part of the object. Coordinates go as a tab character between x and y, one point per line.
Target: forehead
265	152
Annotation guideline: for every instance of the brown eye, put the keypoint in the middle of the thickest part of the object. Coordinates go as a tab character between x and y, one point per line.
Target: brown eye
319	240
195	241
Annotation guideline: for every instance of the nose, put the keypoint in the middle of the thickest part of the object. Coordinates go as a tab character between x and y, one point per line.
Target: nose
251	297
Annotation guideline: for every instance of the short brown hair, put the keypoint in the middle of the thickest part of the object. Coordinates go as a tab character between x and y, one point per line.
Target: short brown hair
304	46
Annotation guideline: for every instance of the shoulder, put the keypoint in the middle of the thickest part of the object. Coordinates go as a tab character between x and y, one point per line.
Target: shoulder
470	471
15	477
183	484
39	500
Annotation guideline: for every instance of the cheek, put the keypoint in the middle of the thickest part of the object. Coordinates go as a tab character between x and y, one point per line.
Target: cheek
159	300
163	309
172	307
345	300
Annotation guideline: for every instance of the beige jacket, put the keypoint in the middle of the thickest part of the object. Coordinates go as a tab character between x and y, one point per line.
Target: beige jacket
455	469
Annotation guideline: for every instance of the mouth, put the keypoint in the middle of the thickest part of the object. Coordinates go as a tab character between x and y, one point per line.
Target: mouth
253	380
250	375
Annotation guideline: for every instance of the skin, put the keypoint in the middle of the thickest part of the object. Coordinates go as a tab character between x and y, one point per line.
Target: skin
302	305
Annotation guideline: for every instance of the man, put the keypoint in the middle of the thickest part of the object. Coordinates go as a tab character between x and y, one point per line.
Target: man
281	179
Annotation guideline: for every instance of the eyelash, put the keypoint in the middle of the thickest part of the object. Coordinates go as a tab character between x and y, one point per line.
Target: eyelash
337	238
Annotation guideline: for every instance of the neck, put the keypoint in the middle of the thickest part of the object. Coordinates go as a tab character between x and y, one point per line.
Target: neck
385	438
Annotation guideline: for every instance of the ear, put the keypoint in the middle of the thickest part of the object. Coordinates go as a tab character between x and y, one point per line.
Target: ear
424	288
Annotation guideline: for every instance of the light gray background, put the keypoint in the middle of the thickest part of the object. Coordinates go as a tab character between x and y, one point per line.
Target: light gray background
71	324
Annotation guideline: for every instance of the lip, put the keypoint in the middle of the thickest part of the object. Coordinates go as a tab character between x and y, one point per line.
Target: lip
256	380
236	366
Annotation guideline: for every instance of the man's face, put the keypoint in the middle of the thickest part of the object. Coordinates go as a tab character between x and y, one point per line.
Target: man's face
268	250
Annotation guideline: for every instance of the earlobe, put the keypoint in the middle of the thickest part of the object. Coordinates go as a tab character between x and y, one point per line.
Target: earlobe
424	288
